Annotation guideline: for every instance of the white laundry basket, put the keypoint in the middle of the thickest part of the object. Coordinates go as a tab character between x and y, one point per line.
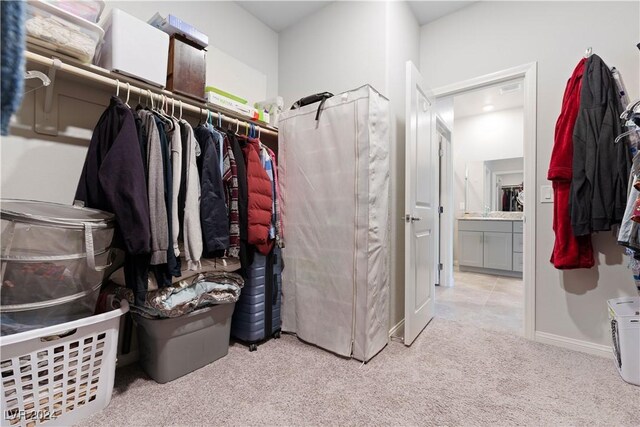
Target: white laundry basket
624	314
59	375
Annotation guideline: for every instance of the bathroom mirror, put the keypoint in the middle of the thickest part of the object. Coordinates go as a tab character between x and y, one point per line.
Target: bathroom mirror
494	185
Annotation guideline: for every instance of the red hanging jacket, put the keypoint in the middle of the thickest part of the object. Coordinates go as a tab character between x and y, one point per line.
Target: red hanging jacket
569	251
260	199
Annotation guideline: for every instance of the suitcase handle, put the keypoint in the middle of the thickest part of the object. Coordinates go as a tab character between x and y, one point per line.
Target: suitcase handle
275	290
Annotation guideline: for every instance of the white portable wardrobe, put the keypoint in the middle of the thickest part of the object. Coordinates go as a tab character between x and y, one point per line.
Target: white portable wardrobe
334	175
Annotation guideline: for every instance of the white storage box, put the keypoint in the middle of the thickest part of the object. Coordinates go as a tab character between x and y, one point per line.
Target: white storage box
58	30
624	314
221	101
85	9
61	374
134	48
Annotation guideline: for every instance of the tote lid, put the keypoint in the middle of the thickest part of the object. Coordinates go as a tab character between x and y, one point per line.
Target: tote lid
49	213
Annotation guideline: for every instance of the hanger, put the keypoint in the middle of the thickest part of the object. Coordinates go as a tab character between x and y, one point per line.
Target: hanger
181	109
259	131
588	52
219	120
173	107
237	126
632	108
128	94
118	88
627	133
150	97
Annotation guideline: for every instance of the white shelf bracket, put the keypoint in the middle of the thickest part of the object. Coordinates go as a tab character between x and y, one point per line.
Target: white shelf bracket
48	99
46	112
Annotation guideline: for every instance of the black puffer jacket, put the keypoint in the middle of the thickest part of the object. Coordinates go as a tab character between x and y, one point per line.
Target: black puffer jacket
600	167
213	210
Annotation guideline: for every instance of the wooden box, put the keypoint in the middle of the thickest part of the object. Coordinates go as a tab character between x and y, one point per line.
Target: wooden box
187	68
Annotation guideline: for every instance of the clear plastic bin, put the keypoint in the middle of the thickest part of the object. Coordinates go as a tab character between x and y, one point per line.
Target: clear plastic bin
56	29
85	9
53	259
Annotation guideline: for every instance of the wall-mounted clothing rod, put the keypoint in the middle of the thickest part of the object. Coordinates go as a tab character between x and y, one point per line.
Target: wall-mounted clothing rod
126	85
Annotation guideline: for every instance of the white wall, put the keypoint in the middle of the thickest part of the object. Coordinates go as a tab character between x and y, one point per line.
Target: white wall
47	168
402	41
338	48
490	136
343	46
490	36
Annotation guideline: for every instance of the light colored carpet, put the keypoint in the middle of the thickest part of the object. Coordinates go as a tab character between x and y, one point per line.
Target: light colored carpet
454	374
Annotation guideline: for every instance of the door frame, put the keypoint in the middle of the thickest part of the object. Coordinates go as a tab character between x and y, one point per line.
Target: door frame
447	219
528	73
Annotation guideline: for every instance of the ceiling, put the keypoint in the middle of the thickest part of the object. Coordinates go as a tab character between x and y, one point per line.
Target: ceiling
279	15
428	11
472	103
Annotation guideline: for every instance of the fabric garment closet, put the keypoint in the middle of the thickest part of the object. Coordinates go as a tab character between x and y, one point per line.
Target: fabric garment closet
336	282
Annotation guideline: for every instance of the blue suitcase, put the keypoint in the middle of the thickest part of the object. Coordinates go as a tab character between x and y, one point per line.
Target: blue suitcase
256	317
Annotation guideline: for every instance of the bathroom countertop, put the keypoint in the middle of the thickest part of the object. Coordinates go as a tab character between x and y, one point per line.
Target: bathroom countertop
486	218
493	216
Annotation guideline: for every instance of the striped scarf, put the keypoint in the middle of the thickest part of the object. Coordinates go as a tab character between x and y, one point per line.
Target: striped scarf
230	181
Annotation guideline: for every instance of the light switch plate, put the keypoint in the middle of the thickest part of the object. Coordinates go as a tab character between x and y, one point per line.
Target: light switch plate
546	194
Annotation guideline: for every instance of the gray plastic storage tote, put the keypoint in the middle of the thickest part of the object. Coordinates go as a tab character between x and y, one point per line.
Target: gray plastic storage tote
53	257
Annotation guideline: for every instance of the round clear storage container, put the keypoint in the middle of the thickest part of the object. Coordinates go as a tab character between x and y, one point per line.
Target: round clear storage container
56	29
53	259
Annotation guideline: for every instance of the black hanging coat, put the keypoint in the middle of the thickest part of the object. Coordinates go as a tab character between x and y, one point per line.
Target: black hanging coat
113	177
600	167
213	209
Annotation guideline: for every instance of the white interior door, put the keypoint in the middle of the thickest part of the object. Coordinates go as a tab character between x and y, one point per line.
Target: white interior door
421	206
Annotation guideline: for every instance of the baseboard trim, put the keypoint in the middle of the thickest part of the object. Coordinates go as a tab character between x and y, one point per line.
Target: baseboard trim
398	327
573	344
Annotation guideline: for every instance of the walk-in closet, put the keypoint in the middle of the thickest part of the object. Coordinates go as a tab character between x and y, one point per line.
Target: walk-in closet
319	213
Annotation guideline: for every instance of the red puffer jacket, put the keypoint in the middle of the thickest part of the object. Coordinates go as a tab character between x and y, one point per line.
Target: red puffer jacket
260	197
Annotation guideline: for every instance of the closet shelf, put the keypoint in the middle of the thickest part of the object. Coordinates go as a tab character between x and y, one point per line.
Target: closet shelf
92	74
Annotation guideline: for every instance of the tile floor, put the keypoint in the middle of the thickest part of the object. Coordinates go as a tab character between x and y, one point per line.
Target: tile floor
491	302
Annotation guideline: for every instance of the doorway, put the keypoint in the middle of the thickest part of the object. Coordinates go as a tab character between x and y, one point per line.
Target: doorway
486	131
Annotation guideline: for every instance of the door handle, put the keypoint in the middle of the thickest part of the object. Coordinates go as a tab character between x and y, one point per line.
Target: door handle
409	218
